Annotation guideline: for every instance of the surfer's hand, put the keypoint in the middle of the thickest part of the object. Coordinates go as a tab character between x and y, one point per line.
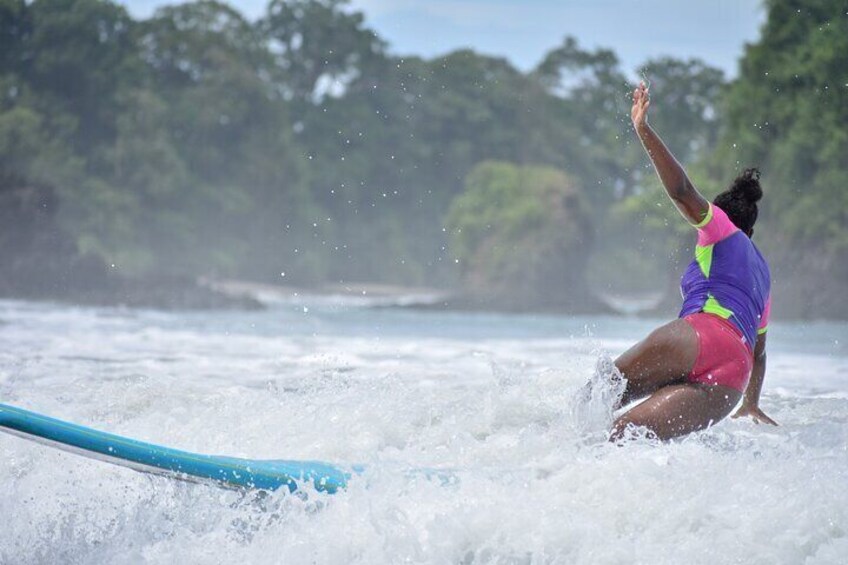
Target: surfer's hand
641	102
755	413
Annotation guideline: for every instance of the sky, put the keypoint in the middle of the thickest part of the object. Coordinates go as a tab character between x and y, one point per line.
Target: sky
524	30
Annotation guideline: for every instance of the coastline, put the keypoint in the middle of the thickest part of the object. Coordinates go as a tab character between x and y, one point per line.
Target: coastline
207	293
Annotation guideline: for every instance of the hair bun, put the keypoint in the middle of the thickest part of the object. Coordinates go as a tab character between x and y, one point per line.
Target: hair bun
747	186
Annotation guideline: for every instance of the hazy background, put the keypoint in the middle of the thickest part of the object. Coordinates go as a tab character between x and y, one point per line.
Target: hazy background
479	148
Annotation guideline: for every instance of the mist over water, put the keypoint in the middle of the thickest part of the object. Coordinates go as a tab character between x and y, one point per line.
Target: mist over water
491	398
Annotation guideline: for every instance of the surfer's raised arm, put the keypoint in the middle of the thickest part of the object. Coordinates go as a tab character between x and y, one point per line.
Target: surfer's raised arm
680	189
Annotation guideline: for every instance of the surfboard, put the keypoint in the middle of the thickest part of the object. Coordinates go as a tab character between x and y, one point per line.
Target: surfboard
232	472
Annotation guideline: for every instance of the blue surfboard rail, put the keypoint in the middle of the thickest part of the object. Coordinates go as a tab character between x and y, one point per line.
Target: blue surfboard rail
225	471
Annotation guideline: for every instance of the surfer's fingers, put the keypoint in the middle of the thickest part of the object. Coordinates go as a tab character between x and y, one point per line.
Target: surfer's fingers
765	419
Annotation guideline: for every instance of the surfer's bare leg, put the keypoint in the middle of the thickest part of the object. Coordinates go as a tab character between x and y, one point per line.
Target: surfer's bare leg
679	409
663	358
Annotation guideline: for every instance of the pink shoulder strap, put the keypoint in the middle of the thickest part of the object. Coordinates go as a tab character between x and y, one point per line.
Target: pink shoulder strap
715	227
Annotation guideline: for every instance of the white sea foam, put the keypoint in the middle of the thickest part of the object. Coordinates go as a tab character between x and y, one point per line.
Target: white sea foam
491	398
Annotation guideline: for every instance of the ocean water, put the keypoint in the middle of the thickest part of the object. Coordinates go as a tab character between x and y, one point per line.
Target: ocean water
490	397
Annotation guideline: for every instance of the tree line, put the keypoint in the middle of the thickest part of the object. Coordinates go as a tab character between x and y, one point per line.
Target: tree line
299	149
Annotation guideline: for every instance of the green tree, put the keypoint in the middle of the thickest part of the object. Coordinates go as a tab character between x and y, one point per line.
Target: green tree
15	28
78	55
787	114
237	181
318	45
520	234
391	154
593	106
688	93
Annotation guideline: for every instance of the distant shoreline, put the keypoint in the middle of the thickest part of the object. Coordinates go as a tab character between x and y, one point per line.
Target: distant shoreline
205	293
208	294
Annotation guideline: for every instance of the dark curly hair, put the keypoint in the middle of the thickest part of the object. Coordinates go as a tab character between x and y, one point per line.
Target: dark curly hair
739	201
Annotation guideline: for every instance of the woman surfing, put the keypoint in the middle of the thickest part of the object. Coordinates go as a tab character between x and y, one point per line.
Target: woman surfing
695	369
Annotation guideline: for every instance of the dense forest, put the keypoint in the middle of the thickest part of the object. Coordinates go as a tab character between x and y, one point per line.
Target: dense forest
297	149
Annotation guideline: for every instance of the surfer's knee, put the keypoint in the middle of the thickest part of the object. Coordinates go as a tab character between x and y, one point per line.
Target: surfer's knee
619	427
633	426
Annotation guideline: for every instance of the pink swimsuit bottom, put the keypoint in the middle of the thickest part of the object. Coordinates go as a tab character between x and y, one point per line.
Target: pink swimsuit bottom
723	357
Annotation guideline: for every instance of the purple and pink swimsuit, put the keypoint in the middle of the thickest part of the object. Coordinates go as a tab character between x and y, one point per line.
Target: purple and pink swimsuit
726	300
